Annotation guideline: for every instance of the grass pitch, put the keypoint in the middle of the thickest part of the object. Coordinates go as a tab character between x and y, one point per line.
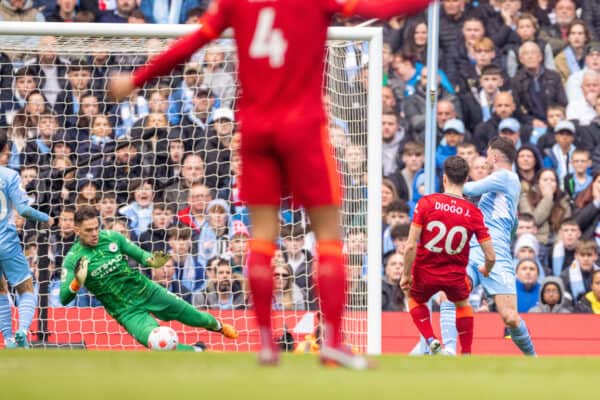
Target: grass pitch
59	374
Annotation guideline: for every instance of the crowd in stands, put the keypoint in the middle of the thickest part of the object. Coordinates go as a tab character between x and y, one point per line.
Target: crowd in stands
161	167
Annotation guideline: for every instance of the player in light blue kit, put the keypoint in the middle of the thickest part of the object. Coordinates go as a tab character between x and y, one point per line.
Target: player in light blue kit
13	264
499	200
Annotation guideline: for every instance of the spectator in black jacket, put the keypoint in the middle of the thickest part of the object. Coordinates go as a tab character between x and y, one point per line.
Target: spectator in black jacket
478	100
534	87
155	237
591	15
120	14
392	297
587	208
590	302
216	150
62	239
452	17
413	157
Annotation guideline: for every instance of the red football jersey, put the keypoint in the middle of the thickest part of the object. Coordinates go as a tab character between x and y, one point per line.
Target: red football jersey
447	224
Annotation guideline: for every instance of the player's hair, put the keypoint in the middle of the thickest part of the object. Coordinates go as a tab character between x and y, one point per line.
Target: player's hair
526	217
568	222
491	70
586	246
397	206
85	212
179	233
585	152
456	169
292	230
504	146
3	139
400	231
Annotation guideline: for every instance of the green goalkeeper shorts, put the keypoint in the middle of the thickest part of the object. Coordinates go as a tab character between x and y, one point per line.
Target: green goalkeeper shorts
163	304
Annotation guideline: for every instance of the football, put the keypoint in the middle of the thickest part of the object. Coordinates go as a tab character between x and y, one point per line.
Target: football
162	338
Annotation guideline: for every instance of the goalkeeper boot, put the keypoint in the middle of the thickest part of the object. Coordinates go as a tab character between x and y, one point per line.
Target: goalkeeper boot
199	347
21	339
228	331
10	344
342	356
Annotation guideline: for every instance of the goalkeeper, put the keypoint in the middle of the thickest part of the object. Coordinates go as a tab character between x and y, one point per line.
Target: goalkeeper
97	261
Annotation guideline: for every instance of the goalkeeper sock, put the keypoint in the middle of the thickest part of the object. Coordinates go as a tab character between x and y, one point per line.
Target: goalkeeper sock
260	278
464	327
448	325
5	317
331	281
422	319
520	336
26	310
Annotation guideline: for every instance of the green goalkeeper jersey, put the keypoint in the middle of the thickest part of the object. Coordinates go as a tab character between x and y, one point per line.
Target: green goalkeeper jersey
109	278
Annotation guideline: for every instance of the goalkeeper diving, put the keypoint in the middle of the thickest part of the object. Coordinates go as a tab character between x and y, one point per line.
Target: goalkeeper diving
97	261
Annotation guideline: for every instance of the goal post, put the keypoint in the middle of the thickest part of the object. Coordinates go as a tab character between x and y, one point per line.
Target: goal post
353	80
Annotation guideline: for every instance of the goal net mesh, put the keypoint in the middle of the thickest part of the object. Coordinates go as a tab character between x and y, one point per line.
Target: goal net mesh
161	168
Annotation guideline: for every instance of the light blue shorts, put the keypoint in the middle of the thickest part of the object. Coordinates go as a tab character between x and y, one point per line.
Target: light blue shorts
15	269
500	281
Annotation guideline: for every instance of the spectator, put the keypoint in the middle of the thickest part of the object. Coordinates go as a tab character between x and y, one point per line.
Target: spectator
528	164
404	76
563	251
534	87
120	14
590	303
38	150
238	247
180	101
399	235
575	80
527	29
357	286
578	277
231	191
139	211
528	287
562	152
295	255
194	215
583	110
467	151
61	240
130	110
354	182
394	136
454	133
155	237
392	297
187	271
446	110
64	12
192	171
388	195
216	78
587	209
68	101
165	277
287	296
590	13
228	293
20	10
547	203
510	129
571	59
479	169
477	102
120	174
25	125
452	18
396	213
25	80
52	68
87	192
580	178
552	297
415	42
107	206
556	34
216	149
214	234
473	33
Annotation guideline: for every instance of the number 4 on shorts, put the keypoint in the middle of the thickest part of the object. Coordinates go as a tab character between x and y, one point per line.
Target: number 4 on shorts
268	42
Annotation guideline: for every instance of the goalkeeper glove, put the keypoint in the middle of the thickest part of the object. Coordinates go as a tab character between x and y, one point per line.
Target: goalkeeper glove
158	259
81	271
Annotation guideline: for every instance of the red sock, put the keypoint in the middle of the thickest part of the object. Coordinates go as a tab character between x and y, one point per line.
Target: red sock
422	319
331	283
260	278
464	327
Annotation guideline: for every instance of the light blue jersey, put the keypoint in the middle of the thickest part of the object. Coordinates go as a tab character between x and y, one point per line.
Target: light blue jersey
12	196
499	201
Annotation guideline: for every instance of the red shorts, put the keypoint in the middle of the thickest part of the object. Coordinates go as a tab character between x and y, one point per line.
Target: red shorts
294	161
425	284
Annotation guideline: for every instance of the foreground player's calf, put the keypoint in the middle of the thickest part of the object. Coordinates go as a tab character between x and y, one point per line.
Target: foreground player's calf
96	260
437	251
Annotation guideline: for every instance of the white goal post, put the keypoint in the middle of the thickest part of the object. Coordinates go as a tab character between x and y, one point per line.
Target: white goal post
362	328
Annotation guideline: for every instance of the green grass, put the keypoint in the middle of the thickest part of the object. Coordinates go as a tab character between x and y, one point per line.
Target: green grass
57	374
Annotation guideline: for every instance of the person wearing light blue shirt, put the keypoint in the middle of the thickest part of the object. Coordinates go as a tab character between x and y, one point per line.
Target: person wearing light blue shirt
499	193
13	264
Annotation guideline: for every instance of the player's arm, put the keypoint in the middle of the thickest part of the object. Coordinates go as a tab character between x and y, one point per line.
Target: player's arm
383	9
154	260
68	282
491	183
410	252
490	256
485	241
213	23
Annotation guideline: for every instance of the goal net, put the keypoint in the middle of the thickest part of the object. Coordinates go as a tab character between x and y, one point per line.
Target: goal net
161	168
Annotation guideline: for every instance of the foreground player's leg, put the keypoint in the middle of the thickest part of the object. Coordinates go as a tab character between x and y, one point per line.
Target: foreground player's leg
26	306
448	325
265	228
507	308
422	319
464	326
5	316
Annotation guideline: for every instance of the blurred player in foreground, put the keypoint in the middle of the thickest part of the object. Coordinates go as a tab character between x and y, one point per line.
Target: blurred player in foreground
499	200
285	144
437	253
97	261
13	264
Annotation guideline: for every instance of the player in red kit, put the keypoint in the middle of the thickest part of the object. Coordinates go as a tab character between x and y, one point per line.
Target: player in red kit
284	136
437	253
